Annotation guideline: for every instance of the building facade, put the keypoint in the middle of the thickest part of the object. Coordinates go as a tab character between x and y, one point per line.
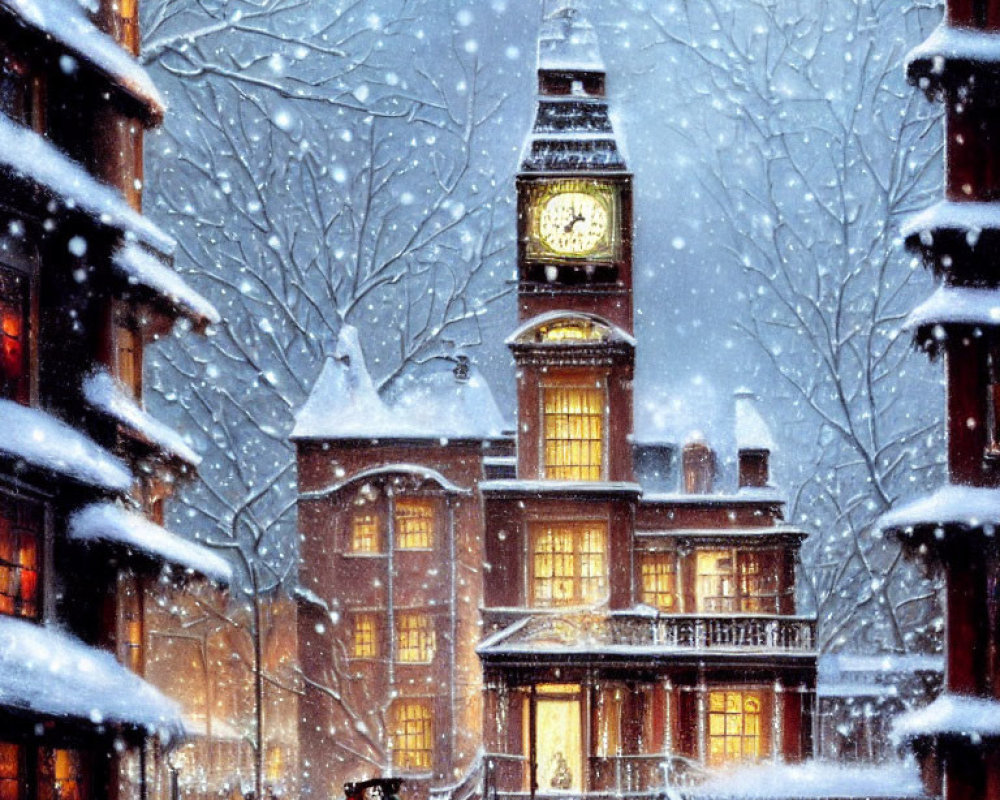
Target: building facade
953	529
561	608
85	283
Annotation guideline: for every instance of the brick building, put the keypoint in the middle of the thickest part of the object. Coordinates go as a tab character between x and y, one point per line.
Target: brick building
594	614
85	283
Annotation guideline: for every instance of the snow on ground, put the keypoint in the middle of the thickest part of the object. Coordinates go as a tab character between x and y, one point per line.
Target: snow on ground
111	523
106	395
28	155
44	442
47	671
812	779
968	506
954	714
143	269
67	23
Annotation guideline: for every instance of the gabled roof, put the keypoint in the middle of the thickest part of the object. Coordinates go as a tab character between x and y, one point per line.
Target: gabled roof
344	403
66	23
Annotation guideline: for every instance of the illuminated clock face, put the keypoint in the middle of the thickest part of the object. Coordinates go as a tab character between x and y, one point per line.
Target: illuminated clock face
574	223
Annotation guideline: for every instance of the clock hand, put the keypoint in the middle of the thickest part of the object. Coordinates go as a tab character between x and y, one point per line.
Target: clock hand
576	218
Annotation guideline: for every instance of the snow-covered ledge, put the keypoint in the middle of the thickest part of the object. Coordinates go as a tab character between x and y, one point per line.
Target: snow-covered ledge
968	217
955	715
927	63
47	672
43	442
140	268
812	779
956	305
110	523
953	505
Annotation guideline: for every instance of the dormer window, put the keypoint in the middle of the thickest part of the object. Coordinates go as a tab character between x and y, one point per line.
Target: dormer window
573	430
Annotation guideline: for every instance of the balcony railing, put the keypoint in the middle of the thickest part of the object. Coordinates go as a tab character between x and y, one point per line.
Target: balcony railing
653	633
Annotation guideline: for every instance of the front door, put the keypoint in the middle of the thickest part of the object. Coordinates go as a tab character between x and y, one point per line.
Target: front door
558	739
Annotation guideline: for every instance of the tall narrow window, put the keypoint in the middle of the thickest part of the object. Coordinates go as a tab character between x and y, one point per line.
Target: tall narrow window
414	518
412	735
11	771
62	775
20	540
569	563
574	433
128	357
734	727
993	402
415	640
364	642
758	582
716	581
14	331
659	580
131	628
365	532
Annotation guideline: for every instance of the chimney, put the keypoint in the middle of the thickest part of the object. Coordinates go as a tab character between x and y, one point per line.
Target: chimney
753	442
698	461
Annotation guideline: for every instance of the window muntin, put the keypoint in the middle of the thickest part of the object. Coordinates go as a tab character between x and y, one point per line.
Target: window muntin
730	581
758	573
21	525
364	637
573	430
414	521
11	771
366	534
716	581
569	563
63	775
658	574
415	639
734	727
14	332
412	735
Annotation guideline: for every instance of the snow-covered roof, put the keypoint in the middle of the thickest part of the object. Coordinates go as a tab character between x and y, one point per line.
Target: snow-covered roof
567	41
67	23
28	156
752	433
109	397
957	305
141	268
344	403
44	442
746	494
417	471
109	522
763	532
812	779
559	487
968	216
600	329
951	43
48	672
951	505
950	715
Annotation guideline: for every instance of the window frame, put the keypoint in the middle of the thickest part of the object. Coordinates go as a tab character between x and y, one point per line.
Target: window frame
421	638
433	534
654	557
16	525
27	394
740	600
760	739
596	381
371	616
579	528
378	515
408	758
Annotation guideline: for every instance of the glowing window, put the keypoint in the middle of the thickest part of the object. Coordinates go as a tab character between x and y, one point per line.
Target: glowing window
365	536
572	330
414	519
734	727
734	581
716	581
364	641
659	580
412	735
128	357
758	583
62	775
20	536
11	771
14	328
415	641
574	433
131	622
569	564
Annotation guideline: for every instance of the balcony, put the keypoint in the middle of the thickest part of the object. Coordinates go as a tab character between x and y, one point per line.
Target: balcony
506	776
635	635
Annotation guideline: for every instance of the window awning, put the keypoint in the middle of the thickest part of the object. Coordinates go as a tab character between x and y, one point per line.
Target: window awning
109	522
48	673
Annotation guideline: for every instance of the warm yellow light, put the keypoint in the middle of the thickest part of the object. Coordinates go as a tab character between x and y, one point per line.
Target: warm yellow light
569	564
734	727
414	520
412	735
365	532
659	580
415	639
574	433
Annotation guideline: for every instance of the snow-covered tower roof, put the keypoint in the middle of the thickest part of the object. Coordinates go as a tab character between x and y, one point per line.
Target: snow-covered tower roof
752	432
573	129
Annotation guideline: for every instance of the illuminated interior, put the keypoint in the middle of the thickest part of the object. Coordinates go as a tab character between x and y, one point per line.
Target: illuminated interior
574	432
365	532
658	573
573	330
734	727
412	734
10	771
364	641
20	532
715	589
68	776
733	581
414	518
13	335
415	640
558	738
569	563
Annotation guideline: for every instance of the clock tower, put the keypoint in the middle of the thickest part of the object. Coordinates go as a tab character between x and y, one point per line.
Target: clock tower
574	191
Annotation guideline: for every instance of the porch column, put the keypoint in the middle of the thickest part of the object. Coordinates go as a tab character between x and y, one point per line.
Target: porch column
701	695
777	721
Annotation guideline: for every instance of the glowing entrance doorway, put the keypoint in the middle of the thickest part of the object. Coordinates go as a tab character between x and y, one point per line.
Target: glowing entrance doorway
558	740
